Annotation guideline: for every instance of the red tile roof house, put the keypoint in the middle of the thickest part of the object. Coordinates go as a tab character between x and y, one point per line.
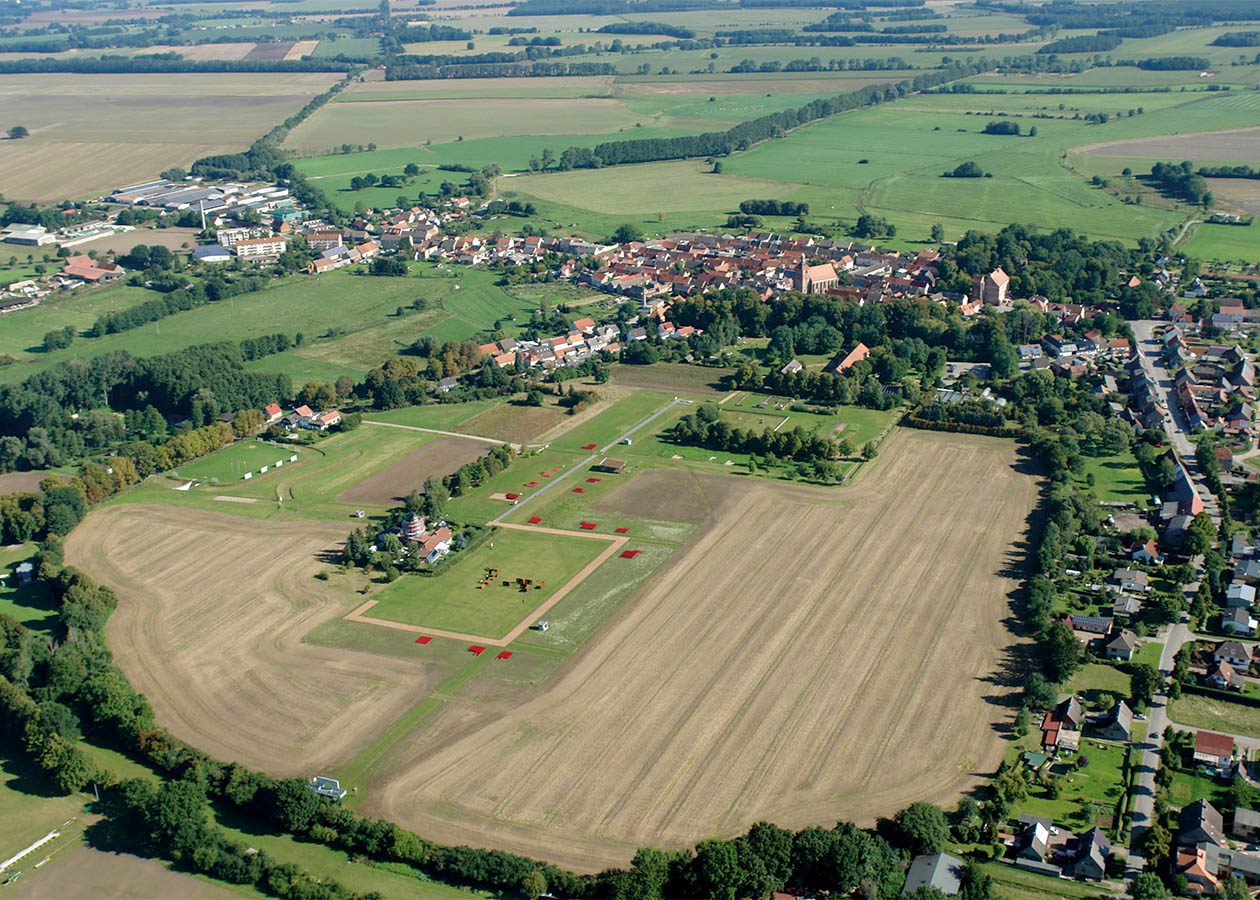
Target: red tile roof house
856	355
1214	749
90	270
272	413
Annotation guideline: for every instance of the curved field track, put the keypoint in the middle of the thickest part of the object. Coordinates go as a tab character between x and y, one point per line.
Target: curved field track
809	656
209	624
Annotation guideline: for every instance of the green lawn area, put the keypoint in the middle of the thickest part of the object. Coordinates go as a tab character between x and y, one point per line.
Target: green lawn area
29	806
28	603
309	490
1086	795
477	506
1117	478
1225	242
1020	884
230	465
608	425
453	601
1215	715
1148	652
1095	679
1186	789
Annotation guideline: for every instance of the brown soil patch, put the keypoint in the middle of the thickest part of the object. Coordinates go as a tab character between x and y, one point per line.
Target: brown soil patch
811	656
209	627
518	424
438	458
15	482
301	48
270	52
1236	144
671	495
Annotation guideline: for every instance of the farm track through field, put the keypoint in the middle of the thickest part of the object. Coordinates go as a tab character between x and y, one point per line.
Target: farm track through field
810	655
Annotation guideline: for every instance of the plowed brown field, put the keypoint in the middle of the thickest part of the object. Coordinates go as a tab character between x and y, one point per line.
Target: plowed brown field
209	625
809	656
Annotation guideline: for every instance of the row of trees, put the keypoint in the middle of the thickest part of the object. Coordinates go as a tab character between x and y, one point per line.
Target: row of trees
706	428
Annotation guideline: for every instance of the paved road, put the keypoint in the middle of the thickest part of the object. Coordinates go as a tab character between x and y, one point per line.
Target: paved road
1176	426
582	464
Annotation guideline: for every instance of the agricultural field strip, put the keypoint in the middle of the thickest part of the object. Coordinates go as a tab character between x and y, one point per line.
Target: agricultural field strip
457	434
615	543
581	464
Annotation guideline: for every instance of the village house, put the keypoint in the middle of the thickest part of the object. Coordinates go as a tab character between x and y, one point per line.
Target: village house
1216	751
1122	645
1061	727
1233	652
1119	723
1238	621
936	870
1246	824
1240	596
841	364
1223	676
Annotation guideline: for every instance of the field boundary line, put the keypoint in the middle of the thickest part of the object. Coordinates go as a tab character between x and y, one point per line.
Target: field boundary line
615	543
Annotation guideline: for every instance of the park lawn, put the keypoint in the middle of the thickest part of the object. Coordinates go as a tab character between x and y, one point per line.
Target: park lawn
1099	784
452	600
1117	478
478	505
231	464
1215	714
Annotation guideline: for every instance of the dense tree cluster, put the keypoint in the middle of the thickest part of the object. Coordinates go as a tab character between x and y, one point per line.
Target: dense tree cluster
1004	126
773	208
706	428
1082	43
1181	181
646	28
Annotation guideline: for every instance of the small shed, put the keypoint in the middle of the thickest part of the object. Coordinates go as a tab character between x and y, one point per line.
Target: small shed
610	465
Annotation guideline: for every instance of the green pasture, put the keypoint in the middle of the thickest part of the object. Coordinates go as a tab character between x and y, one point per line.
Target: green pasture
1224	242
453	601
348	46
309	490
610	424
1094	680
230	465
24	330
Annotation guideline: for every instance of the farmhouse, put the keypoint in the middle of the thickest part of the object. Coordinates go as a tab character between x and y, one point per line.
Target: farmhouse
842	364
272	413
85	268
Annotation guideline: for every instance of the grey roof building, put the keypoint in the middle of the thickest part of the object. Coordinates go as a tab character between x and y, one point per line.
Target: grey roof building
938	870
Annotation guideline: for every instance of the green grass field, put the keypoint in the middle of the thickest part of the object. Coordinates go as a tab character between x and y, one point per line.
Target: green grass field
1085	793
1215	715
452	600
232	463
1225	242
1117	479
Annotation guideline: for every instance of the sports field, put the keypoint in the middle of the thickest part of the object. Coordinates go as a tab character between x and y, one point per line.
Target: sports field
465	599
92	133
820	662
234	462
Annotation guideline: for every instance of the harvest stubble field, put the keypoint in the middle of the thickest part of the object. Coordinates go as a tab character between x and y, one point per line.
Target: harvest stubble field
92	133
819	660
210	627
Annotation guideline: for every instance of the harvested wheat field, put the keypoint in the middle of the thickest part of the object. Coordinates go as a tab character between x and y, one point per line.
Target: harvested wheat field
809	656
212	609
1238	143
437	458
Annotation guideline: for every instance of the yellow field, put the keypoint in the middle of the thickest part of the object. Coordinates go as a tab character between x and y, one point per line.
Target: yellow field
210	625
810	656
92	133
